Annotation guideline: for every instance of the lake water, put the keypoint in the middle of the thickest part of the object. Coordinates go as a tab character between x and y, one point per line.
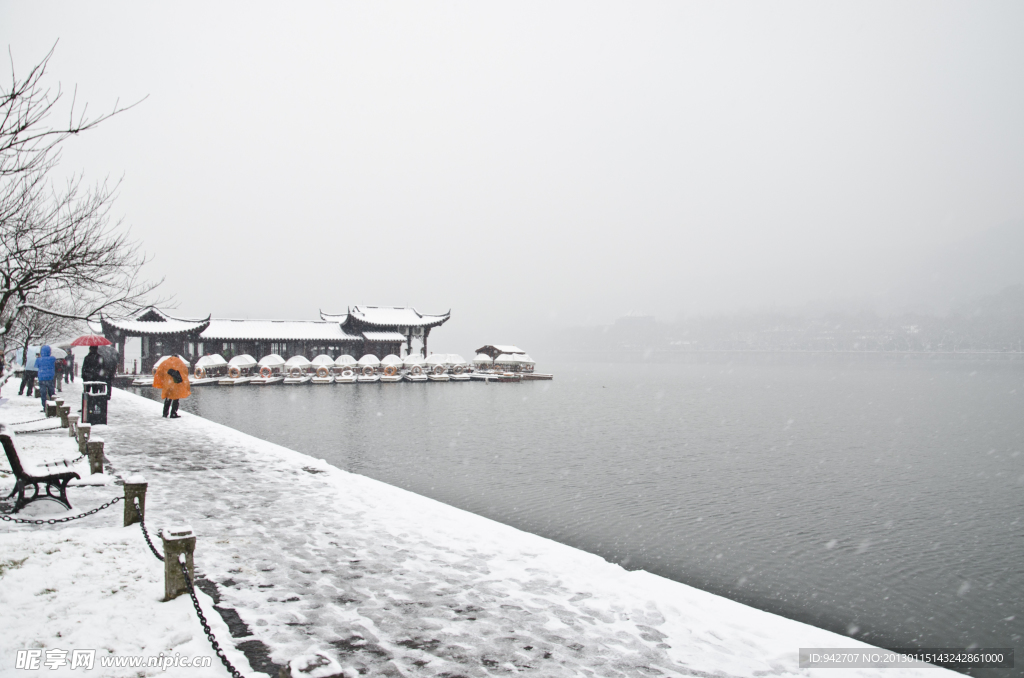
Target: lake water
879	499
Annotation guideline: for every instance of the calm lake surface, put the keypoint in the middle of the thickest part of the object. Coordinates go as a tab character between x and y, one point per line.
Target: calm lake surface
881	499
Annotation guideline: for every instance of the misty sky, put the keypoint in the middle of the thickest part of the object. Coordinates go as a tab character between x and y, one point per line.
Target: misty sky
532	163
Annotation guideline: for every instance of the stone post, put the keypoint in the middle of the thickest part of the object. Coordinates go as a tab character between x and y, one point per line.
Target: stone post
64	411
51	408
94	448
134	488
84	431
73	426
35	393
178	539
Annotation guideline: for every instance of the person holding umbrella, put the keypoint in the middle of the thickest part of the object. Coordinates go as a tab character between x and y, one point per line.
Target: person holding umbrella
171	377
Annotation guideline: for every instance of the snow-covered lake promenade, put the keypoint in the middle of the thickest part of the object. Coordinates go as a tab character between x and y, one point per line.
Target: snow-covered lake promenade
302	557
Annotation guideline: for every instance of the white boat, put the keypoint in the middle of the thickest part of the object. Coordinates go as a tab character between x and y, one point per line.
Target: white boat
367	367
345	370
240	370
271	370
391	368
209	370
436	367
321	366
414	367
458	368
483	368
297	370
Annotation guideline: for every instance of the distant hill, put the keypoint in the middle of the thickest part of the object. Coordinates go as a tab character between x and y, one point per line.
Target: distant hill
975	267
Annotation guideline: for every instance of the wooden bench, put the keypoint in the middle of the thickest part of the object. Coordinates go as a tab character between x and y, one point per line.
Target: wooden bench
56	484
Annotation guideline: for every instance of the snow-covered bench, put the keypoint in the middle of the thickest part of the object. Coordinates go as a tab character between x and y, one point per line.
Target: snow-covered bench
56	484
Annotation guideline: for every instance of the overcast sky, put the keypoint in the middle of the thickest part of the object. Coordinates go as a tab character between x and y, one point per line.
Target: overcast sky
530	163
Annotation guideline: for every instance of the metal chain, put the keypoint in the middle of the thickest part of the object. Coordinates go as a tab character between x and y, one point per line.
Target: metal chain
202	620
30	421
145	532
54	521
66	462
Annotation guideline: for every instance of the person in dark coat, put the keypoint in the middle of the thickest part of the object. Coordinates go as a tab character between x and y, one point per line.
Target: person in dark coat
59	367
46	365
96	368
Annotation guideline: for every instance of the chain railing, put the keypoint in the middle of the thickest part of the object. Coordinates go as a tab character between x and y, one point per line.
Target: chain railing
145	532
54	521
202	620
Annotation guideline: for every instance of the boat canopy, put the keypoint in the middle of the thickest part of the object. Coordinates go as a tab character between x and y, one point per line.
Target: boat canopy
344	361
509	359
298	361
244	360
165	357
391	359
209	361
322	360
456	359
368	360
438	359
413	359
482	359
526	360
272	360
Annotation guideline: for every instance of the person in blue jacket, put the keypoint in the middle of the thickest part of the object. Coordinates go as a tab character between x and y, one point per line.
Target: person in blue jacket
45	363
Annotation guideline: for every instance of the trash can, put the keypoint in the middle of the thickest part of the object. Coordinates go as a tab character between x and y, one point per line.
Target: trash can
94	402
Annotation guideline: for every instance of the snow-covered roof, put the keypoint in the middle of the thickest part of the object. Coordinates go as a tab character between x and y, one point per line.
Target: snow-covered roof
244	360
391	316
509	359
330	317
215	360
152	321
165	357
300	360
496	349
344	360
456	359
413	359
481	359
271	360
391	359
384	336
437	359
368	360
221	329
322	360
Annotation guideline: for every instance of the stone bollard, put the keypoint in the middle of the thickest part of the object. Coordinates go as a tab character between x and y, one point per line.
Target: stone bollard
84	431
178	539
73	426
135	487
65	412
94	448
35	393
51	408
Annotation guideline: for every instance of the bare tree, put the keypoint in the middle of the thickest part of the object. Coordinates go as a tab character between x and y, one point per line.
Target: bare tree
60	254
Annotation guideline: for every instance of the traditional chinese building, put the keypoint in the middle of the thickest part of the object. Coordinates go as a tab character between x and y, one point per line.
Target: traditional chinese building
363	330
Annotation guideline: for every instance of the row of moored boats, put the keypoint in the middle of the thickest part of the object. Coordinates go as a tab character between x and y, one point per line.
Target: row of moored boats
345	369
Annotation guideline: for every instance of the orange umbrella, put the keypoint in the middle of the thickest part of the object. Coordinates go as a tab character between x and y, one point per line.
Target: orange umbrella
171	377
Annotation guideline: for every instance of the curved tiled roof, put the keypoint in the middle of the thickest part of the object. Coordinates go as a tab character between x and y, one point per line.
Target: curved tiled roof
389	316
153	321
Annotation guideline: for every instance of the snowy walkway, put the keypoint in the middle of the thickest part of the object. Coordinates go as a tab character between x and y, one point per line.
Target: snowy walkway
388	582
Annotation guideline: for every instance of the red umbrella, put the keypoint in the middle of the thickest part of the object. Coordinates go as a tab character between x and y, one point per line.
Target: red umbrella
91	340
